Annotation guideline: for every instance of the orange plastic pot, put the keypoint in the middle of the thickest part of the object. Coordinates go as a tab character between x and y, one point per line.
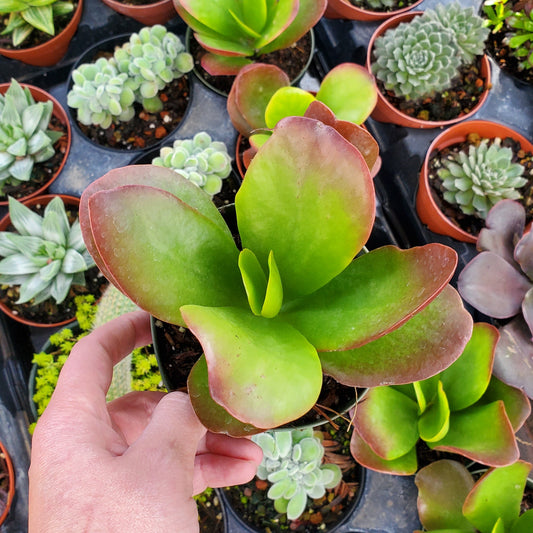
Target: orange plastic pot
149	14
4	224
386	112
343	9
40	95
11	483
50	52
426	207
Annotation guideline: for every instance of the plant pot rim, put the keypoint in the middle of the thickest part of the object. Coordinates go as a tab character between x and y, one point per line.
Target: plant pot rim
159	12
4	222
40	95
11	478
344	9
386	112
198	74
427	209
49	53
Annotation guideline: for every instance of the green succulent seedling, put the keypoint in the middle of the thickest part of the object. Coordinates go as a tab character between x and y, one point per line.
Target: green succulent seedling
293	303
463	409
450	500
46	255
201	160
236	33
292	462
478	179
28	15
24	135
497	12
521	38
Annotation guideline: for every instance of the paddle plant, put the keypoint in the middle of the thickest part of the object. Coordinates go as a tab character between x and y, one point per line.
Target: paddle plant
449	499
295	302
463	409
236	33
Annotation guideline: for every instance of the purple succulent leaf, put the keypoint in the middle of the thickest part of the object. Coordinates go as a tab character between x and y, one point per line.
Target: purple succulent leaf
523	254
504	226
493	286
513	361
527	310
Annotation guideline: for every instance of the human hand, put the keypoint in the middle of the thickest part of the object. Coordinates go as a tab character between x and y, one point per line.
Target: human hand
129	466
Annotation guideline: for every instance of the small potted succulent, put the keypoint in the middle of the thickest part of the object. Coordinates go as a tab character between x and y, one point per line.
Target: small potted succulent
44	261
34	140
232	35
368	10
463	409
261	96
120	100
147	12
40	32
290	298
467	169
450	498
499	282
7	483
430	66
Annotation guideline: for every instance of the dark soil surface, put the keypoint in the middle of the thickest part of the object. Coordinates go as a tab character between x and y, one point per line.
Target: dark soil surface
210	516
253	506
36	37
398	4
42	172
459	100
471	223
292	60
138	2
145	129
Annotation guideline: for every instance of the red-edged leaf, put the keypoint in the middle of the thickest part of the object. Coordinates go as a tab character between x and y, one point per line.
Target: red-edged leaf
219	65
524	254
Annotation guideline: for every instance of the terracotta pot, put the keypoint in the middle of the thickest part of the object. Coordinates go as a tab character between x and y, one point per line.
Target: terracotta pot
4	224
149	14
11	482
426	207
40	95
343	9
386	112
50	52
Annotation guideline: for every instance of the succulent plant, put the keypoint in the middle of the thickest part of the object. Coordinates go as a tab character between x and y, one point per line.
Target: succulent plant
101	94
46	255
449	499
377	4
294	297
236	33
152	58
499	283
292	462
27	15
477	180
24	135
463	410
201	160
467	26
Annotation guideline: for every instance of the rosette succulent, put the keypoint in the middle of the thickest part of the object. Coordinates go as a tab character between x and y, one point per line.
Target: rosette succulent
292	462
499	283
46	254
378	4
201	160
236	33
476	180
24	135
293	303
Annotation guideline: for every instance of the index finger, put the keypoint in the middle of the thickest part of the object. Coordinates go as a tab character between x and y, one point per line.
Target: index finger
88	371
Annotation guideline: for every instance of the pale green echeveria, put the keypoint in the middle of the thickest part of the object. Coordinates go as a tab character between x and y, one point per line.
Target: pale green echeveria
476	180
201	160
45	255
101	94
152	58
27	15
236	33
293	302
292	463
24	135
416	58
463	410
449	498
467	26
